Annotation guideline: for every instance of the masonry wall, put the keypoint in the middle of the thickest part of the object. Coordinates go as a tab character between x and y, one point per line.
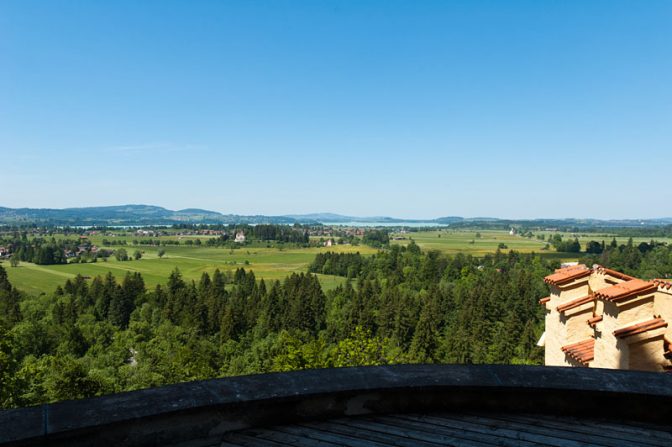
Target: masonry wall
636	310
662	305
576	323
600	281
552	328
610	351
556	329
647	355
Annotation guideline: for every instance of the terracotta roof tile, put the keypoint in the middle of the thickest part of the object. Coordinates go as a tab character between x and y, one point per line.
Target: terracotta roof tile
605	271
619	292
638	328
545	300
593	321
583	351
662	283
567	274
576	303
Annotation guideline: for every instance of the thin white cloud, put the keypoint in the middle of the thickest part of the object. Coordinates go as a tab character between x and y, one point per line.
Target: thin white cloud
136	147
153	147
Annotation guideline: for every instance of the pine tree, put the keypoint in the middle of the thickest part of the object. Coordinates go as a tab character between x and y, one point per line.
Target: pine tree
8	367
426	337
10	312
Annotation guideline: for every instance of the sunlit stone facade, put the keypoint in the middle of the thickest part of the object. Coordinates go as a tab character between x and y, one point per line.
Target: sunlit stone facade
601	318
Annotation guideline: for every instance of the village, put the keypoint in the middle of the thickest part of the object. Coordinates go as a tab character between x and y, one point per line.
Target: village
82	245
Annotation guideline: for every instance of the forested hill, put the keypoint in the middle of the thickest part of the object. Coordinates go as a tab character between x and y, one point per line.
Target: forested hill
92	337
126	215
136	215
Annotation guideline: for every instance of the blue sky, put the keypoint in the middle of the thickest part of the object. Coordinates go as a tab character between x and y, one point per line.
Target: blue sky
515	109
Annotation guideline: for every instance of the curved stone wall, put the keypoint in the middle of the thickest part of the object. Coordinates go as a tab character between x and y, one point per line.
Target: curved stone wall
205	410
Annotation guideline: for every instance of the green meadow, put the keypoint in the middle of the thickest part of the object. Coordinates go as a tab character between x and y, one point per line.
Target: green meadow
273	262
462	241
267	263
467	241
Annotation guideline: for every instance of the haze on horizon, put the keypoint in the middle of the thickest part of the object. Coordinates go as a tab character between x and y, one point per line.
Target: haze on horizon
520	109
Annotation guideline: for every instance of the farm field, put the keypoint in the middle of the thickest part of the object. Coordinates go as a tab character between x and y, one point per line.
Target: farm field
267	263
271	262
460	241
465	241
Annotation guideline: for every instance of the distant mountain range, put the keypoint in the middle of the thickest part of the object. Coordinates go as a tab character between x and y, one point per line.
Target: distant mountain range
127	215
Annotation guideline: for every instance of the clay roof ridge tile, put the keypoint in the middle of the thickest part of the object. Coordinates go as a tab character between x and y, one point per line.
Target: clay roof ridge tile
663	283
576	303
583	351
626	289
607	271
567	274
638	328
593	321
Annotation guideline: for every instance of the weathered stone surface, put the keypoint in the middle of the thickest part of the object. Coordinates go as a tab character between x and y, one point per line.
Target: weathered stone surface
24	423
207	409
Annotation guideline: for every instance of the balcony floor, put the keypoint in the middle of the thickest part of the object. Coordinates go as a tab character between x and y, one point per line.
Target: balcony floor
454	429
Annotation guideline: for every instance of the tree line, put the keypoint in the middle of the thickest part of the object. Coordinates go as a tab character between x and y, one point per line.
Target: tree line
646	260
348	265
39	250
